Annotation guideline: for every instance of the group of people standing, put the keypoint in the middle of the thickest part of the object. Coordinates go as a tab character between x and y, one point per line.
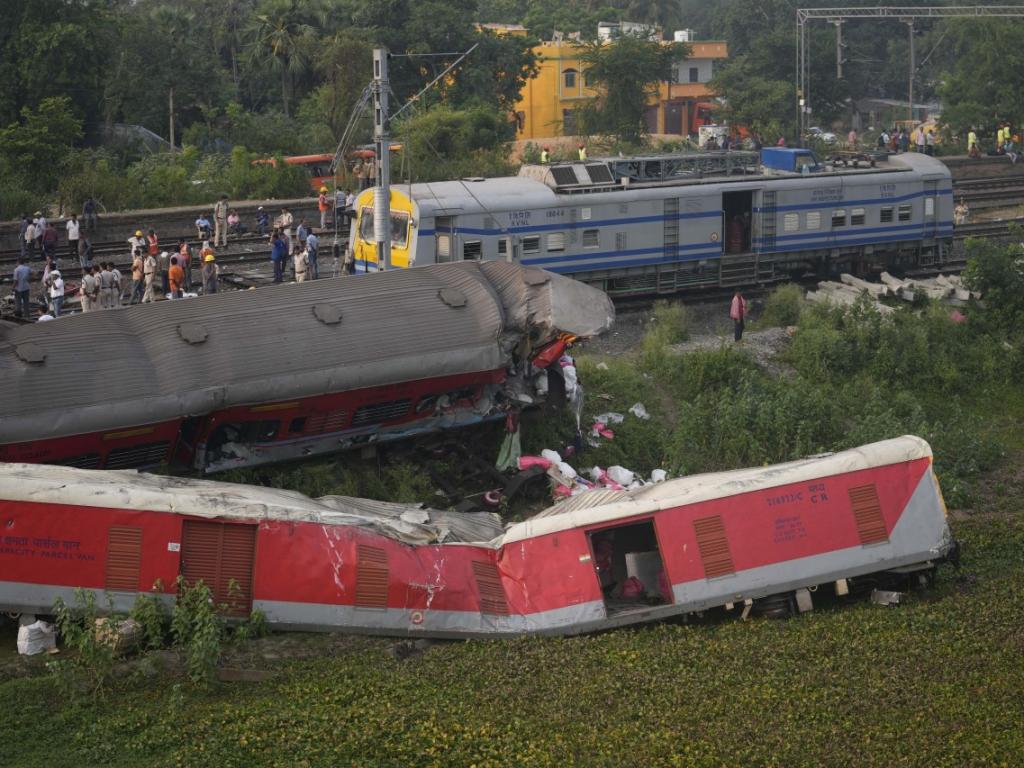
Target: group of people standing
299	243
899	140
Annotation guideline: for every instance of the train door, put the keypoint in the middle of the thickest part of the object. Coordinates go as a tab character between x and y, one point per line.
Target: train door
443	245
506	249
737	215
931	205
629	567
222	556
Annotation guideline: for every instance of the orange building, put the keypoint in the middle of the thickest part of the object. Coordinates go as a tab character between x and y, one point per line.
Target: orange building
548	104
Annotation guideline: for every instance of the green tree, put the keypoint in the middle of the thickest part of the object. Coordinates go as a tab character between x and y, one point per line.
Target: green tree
37	147
626	74
282	38
983	85
445	143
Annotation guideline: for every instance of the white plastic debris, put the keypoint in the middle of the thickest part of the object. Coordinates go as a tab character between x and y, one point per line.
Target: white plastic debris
621	475
638	410
659	476
36	637
553	456
566	470
610	418
571	381
602	366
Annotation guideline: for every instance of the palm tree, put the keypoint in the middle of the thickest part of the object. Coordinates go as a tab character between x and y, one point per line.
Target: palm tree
281	38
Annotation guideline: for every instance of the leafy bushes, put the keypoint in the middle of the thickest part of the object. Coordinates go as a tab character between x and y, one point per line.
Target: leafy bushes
783	306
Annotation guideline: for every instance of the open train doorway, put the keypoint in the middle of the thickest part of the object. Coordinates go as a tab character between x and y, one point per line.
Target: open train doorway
629	567
737	215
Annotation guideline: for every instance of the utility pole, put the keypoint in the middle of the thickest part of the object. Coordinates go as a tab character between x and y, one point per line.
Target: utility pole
839	49
910	29
170	111
382	145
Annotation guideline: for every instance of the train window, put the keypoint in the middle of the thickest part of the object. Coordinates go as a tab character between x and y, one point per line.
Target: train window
503	246
444	248
366	224
591	238
298	424
856	216
585	212
839	217
791	222
814	220
400	229
905	211
620	241
556	241
531	245
929	206
472	250
885	214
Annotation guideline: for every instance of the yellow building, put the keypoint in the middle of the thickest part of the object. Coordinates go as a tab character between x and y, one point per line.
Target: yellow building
548	103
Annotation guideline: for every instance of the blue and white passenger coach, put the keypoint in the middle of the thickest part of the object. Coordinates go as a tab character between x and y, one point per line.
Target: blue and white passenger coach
669	223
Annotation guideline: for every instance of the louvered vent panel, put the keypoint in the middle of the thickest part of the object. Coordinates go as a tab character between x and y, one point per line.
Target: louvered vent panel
335	421
238	548
371	577
124	558
316	422
488	582
714	546
868	514
380	412
88	461
137	455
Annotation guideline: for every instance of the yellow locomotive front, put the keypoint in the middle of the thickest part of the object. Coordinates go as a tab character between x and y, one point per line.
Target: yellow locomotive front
403	232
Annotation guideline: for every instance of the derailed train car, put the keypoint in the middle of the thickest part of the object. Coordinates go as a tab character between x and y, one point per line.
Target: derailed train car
743	538
297	370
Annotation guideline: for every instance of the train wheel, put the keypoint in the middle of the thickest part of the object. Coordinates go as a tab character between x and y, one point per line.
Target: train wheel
776	606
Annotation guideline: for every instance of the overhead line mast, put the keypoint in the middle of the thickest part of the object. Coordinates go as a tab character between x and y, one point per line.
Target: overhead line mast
906	14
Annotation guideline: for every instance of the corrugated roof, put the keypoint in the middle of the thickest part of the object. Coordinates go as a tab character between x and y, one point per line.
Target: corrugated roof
133	365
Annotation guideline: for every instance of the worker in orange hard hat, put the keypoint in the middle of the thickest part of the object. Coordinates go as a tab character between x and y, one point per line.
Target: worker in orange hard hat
323	205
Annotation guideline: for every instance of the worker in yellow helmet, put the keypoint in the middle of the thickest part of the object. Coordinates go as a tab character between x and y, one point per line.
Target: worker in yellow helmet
324	206
210	272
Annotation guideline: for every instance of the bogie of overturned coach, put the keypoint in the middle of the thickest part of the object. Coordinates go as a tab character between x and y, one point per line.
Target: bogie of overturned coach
636	235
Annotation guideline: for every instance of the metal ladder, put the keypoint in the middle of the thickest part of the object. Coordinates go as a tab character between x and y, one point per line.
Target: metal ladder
670	247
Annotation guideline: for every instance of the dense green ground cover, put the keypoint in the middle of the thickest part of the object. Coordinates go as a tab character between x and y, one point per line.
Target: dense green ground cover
936	681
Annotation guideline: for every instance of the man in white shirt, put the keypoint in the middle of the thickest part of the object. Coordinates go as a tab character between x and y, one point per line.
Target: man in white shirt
56	292
73	229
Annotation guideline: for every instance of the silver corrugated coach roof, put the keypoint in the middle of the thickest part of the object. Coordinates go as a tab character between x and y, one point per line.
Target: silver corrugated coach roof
145	364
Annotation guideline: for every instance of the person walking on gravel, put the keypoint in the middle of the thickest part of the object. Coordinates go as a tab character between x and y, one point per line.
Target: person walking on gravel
738	313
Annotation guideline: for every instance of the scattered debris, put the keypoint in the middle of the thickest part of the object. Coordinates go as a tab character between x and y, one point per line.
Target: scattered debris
947	288
885	597
35	636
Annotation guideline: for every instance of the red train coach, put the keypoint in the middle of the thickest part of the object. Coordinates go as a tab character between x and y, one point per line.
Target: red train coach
724	539
251	377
